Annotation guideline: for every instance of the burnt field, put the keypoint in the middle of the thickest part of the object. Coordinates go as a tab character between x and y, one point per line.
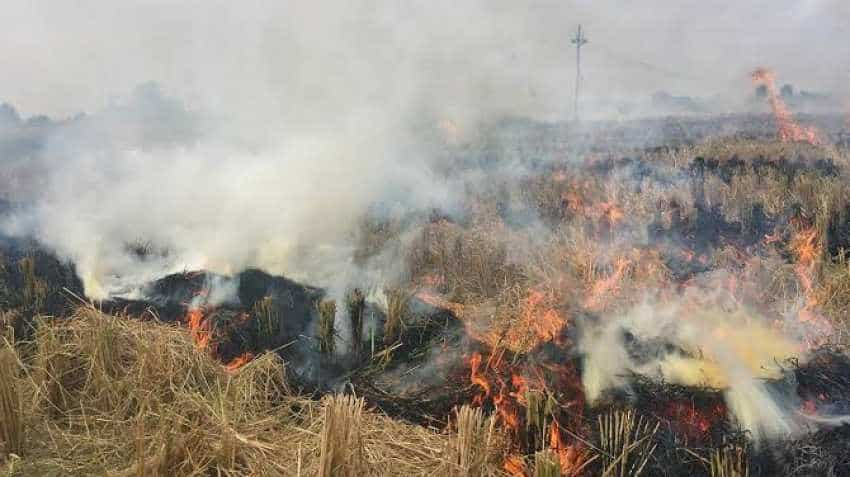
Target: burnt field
663	297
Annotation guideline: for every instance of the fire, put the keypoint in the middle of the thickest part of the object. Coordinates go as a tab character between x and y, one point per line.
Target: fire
693	421
806	245
515	465
506	408
437	301
504	401
787	129
201	333
476	378
807	250
538	321
572	458
508	388
520	358
198	327
238	362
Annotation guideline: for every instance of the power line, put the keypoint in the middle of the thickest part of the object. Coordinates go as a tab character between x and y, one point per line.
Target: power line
578	41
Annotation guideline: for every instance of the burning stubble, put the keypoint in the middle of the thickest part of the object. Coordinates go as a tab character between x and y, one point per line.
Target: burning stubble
389	163
700	339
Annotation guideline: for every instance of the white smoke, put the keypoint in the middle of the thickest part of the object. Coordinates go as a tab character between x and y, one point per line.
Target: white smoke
301	115
702	337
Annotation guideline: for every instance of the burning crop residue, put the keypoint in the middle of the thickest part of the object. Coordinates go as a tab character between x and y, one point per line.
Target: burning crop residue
524	400
639	285
644	309
787	128
619	296
201	328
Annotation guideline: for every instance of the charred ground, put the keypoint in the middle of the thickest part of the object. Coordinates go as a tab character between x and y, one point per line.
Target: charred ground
492	299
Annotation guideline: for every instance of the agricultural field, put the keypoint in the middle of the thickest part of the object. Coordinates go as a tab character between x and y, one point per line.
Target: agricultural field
660	297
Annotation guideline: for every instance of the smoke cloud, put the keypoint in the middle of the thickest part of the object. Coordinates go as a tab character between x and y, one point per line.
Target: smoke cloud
294	119
706	338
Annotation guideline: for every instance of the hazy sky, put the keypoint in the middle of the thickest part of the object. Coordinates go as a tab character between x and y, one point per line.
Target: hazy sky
260	58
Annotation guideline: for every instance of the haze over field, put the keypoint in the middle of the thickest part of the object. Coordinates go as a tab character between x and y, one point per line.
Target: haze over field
265	61
399	200
253	120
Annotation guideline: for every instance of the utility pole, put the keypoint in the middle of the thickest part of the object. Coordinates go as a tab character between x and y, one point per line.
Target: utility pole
579	41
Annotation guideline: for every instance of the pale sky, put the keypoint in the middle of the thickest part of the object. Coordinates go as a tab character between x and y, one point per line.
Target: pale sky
303	58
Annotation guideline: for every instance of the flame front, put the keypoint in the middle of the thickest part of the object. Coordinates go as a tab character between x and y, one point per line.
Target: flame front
788	129
200	329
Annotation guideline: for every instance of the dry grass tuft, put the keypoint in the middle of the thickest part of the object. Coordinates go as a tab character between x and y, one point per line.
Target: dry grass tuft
327	335
52	366
833	291
538	416
627	442
104	395
729	462
342	446
11	409
35	289
397	301
547	464
267	319
470	449
356	307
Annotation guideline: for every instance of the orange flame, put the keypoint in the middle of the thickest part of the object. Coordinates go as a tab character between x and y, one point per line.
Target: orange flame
238	362
693	421
506	409
515	466
538	321
440	302
199	330
198	327
476	378
804	244
571	458
807	247
787	129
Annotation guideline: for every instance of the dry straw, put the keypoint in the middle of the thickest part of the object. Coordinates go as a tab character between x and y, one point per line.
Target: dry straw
356	308
342	447
11	410
729	461
113	396
326	335
397	301
470	449
547	464
627	442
